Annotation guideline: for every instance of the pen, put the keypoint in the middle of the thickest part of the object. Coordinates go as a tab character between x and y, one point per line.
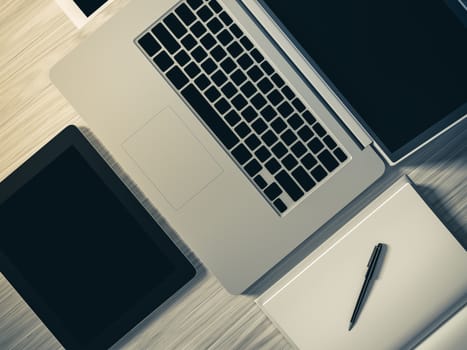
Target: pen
368	276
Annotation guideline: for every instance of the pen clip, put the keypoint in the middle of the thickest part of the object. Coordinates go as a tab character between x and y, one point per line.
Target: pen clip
375	249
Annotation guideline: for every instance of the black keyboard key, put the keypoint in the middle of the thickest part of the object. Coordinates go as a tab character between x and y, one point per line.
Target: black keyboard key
262	154
198	29
228	65
267	67
278	125
315	145
163	61
212	94
299	106
232	118
295	121
236	30
289	162
318	173
273	166
279	150
242	130
205	13
289	185
218	53
225	18
309	161
189	42
329	162
265	85
319	129
199	54
253	167
194	4
209	66
208	41
268	113
177	77
238	77
249	114
285	109
225	37
255	73
340	154
185	14
219	78
269	138
149	44
258	57
272	191
235	49
241	154
229	90
304	180
259	180
239	102
275	97
309	117
277	80
209	115
259	126
214	25
182	58
247	44
215	6
165	38
288	92
299	149
202	82
329	142
192	70
288	137
222	105
245	61
175	26
280	206
248	89
258	101
305	133
252	142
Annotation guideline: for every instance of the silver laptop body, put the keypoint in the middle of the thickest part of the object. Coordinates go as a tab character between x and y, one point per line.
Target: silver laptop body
197	177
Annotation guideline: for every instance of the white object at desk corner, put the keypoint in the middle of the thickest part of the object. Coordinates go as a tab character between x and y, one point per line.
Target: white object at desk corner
422	281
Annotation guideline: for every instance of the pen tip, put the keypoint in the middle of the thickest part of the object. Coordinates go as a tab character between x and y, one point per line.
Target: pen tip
350	326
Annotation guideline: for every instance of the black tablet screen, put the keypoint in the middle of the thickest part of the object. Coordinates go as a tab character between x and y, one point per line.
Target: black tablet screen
89	6
400	64
76	244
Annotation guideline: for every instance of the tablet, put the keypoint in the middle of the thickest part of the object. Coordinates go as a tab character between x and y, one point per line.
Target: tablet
80	249
80	11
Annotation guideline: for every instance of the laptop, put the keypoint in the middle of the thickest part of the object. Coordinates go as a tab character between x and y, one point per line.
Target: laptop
250	124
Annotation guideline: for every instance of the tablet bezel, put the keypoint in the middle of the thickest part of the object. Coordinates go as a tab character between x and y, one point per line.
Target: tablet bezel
183	271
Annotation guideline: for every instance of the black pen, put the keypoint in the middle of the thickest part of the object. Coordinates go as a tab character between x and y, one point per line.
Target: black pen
369	274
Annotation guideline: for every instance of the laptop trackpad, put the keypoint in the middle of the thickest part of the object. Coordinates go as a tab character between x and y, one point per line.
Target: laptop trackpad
172	158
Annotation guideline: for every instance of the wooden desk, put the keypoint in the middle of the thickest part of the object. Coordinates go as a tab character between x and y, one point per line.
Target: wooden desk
34	34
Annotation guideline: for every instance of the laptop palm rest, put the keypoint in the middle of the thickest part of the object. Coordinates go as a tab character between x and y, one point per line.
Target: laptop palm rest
163	147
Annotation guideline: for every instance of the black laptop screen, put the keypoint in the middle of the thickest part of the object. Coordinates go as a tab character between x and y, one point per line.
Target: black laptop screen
400	65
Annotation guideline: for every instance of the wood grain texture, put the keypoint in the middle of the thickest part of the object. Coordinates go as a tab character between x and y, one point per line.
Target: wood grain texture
34	34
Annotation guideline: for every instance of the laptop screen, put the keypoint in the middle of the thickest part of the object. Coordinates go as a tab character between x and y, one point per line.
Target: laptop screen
400	65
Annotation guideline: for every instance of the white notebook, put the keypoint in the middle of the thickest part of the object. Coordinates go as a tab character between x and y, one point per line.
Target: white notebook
421	282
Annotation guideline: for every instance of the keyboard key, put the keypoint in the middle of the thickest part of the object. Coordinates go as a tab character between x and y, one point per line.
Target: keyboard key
259	180
225	18
245	61
289	185
219	78
255	73
278	125
280	206
305	133
299	106
253	167
215	25
268	113
285	109
212	94
208	41
259	126
215	6
182	58
288	137
309	117
258	101
258	57
225	37
265	85
329	142
185	14
269	138
340	154
209	66
199	54
189	42
175	26
242	130
272	191
165	38
252	142
177	77
262	154
238	77
319	129
236	30
267	67
212	119
277	80
299	149
163	61
194	4
295	121
304	180
329	162
218	53
232	117
309	161
289	162
192	70
198	29
239	102
315	145
149	44
234	49
241	154
202	82
247	44
318	173
275	97
222	105
249	114
279	150
248	89
288	93
204	13
273	166
229	90
228	65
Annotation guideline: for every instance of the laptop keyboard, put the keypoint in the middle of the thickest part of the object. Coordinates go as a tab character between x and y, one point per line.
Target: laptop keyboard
254	114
